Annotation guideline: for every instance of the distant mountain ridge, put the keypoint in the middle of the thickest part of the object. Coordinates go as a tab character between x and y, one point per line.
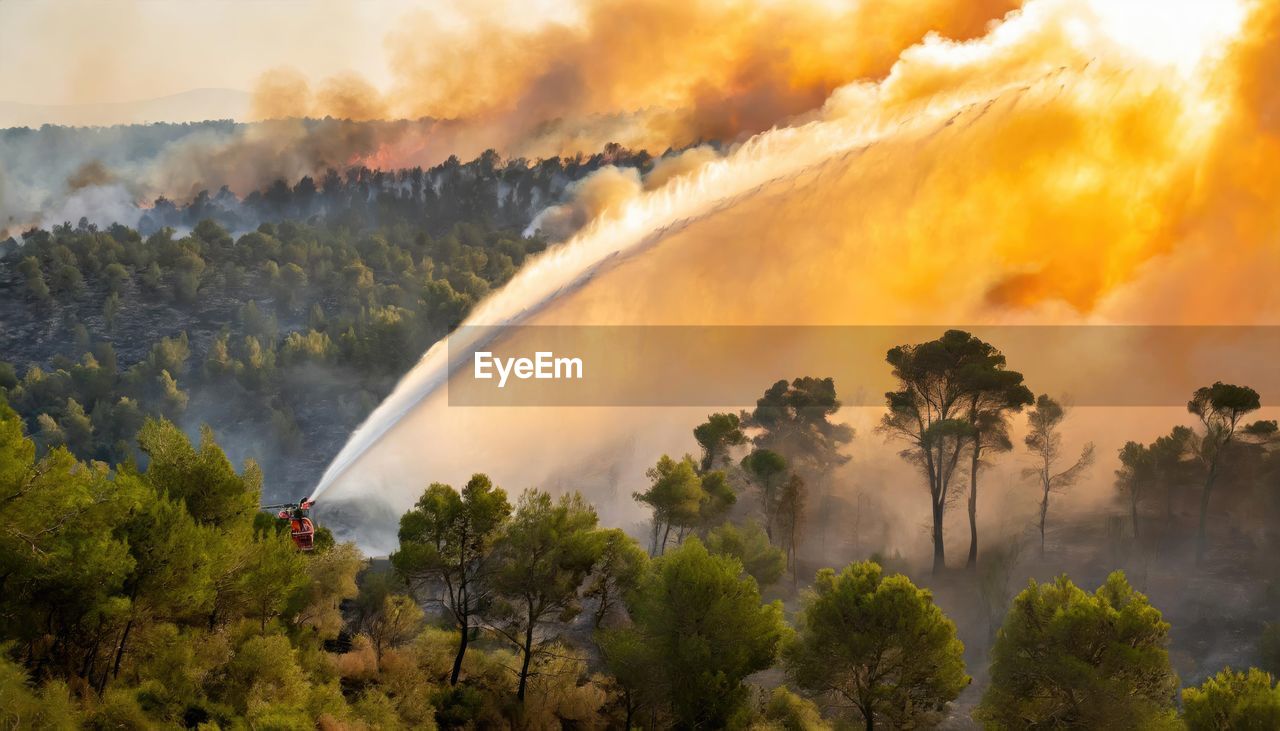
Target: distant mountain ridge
189	106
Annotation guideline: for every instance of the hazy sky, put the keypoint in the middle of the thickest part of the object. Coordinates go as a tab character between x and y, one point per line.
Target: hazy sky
93	51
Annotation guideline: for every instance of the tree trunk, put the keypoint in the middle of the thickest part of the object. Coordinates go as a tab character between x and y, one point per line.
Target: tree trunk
603	608
939	549
665	534
972	562
626	699
1202	532
462	650
795	565
1133	511
528	653
124	638
768	511
102	682
826	511
86	670
1044	513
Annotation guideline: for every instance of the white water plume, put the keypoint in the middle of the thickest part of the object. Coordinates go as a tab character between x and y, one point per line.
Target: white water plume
641	222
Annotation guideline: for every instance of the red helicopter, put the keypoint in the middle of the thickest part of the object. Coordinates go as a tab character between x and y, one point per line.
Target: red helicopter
301	529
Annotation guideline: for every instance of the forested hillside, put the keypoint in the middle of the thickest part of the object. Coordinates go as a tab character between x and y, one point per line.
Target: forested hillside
281	336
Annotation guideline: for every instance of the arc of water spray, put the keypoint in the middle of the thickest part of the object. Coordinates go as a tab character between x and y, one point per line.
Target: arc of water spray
641	223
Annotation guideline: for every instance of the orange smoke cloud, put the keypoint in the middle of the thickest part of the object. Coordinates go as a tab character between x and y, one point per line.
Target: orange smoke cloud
725	67
278	149
607	190
285	93
90	174
1038	173
1219	243
1081	163
597	194
654	74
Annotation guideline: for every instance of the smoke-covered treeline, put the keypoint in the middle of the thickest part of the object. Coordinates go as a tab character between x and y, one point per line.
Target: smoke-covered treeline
1190	518
240	175
488	190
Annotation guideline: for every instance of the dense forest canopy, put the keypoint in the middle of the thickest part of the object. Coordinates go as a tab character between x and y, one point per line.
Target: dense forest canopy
205	315
159	596
163	174
104	327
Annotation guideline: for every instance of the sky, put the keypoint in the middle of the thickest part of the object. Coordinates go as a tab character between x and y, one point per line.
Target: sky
59	52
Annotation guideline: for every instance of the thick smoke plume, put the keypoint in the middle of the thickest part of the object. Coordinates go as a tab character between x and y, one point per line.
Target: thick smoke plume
58	174
607	190
1080	163
651	75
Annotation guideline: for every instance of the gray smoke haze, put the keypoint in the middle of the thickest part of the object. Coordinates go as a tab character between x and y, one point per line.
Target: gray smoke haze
113	174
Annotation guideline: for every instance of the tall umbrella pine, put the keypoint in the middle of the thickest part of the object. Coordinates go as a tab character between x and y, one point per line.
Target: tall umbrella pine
953	395
993	394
